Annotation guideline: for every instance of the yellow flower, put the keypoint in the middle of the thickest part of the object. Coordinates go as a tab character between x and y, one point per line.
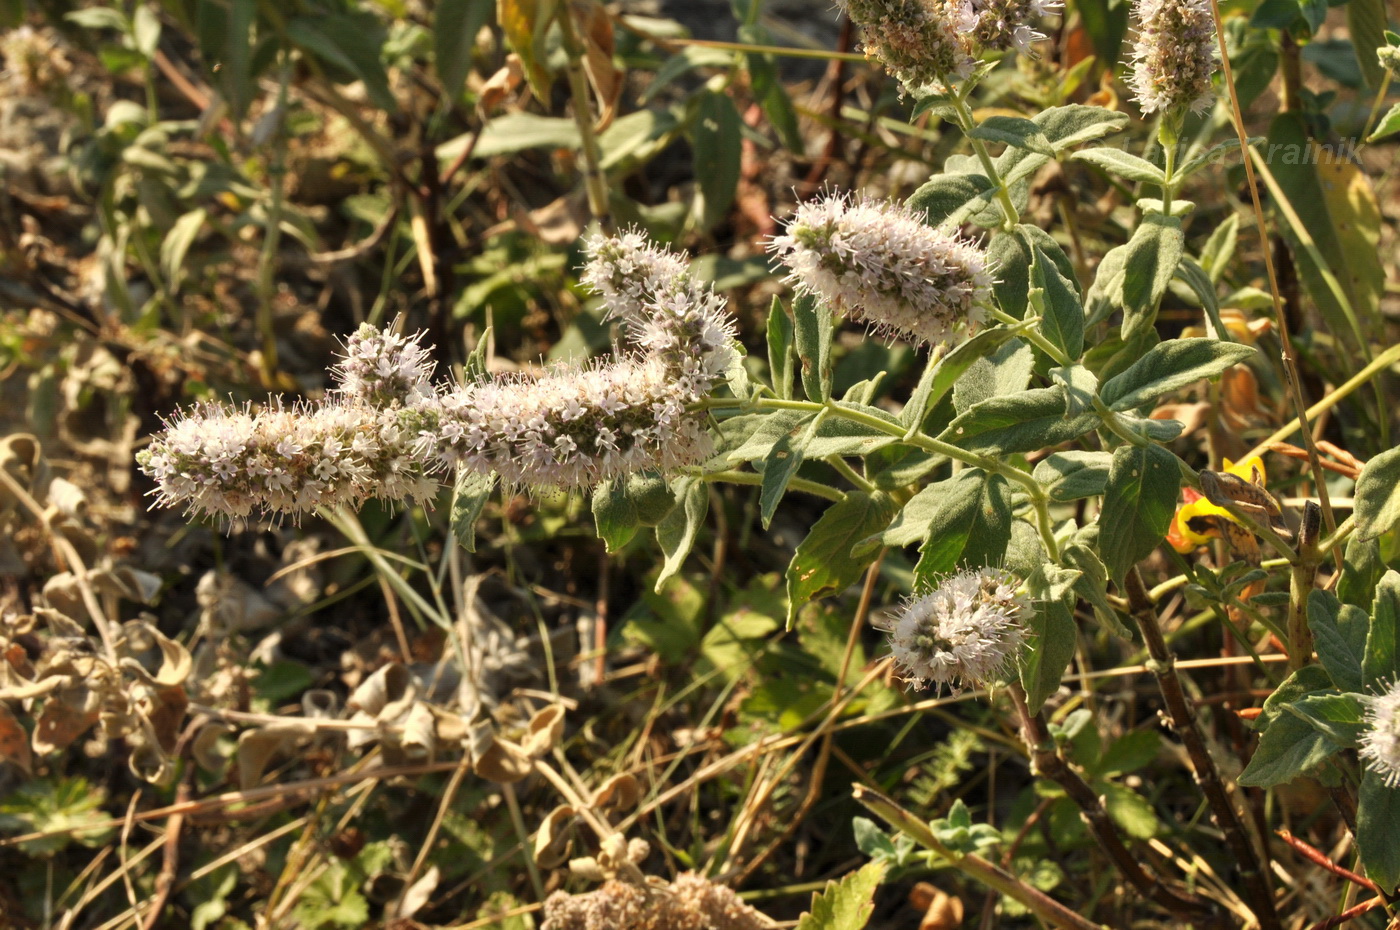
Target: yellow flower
1195	522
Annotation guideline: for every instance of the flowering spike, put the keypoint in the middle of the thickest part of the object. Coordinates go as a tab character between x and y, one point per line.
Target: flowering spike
571	428
917	40
878	262
384	368
1174	56
232	462
968	630
1380	743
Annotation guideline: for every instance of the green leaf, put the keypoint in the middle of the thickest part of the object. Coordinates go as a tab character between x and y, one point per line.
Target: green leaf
1080	387
455	27
615	514
971	529
1380	665
1023	422
1389	124
1053	633
716	137
1339	717
524	24
470	493
69	809
1129	753
845	905
949	198
946	372
176	245
1362	568
348	43
1168	366
1121	164
99	17
1290	746
1074	475
1074	124
782	463
1093	584
1056	300
780	354
676	534
1138	506
813	325
1339	632
1337	209
225	44
1130	811
515	132
1134	276
997	374
145	30
1366	21
823	563
1377	507
750	437
1014	131
1377	825
1012	253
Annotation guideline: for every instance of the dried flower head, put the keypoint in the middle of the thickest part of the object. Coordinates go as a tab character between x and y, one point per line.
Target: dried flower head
691	902
1174	56
1380	743
967	631
919	41
235	461
383	368
878	262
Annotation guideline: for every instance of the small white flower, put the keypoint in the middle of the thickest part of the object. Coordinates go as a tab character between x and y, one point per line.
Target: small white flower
1380	744
384	368
970	630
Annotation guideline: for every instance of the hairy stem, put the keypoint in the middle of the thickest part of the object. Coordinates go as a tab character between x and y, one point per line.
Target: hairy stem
1257	893
595	182
1046	760
988	873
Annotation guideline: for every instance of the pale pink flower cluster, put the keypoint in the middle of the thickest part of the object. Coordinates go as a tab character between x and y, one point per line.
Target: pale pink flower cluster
1380	742
927	44
1174	55
236	461
576	426
387	430
879	263
383	368
970	630
1004	25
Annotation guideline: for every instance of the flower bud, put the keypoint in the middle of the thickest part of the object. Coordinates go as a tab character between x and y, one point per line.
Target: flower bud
1174	56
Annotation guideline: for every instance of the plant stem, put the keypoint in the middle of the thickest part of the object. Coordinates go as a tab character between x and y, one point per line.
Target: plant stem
1182	717
1047	761
988	873
849	473
1027	329
1302	577
595	182
968	124
272	234
755	479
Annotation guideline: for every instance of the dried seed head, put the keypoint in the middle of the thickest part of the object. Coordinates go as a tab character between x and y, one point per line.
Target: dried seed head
1174	56
968	631
1380	744
879	263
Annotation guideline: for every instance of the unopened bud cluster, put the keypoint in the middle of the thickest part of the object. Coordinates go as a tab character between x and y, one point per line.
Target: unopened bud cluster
877	262
1380	742
1004	25
970	630
1174	56
387	430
